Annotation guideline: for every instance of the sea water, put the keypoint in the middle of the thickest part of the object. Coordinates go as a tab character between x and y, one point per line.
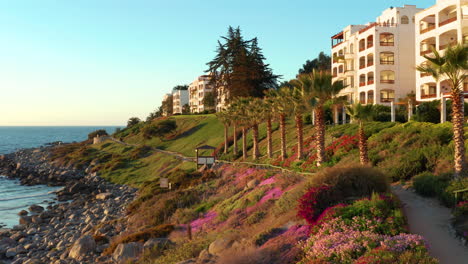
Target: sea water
15	197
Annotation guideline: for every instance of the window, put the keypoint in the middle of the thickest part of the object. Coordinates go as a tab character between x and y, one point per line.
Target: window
387	39
370	97
387	58
387	96
404	20
393	21
362	80
362	62
387	77
341	69
370	41
362	44
335	72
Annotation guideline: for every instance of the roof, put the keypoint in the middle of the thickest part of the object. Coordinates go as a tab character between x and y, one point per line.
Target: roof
205	147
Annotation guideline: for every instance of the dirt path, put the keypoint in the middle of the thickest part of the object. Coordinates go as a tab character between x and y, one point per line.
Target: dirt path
428	218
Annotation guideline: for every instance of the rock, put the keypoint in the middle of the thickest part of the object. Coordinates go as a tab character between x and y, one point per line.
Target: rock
36	209
104	196
36	219
219	245
10	253
124	252
204	256
7	241
82	248
157	242
23	213
25	220
251	184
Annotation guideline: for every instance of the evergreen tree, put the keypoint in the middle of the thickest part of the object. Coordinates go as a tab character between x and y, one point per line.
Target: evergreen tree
239	67
321	63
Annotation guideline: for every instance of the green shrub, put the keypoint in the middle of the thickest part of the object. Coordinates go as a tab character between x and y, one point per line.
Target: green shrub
140	152
428	112
182	251
99	132
256	217
427	184
264	236
355	182
448	196
184	215
160	129
133	121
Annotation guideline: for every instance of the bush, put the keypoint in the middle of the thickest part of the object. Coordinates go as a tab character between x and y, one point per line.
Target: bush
99	132
140	152
264	236
427	184
160	129
428	112
340	184
133	121
256	217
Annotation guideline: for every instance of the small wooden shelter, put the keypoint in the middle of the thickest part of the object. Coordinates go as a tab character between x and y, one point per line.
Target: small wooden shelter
205	156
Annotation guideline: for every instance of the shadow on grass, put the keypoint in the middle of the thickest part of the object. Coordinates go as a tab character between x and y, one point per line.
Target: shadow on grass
189	132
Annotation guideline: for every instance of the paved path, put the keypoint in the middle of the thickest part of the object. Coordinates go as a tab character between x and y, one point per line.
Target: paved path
428	218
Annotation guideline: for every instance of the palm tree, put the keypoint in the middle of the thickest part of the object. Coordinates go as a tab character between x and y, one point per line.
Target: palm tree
225	118
254	118
301	84
321	90
281	108
268	114
361	113
239	106
452	66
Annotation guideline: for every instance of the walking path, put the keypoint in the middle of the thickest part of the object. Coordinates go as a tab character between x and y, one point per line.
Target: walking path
428	218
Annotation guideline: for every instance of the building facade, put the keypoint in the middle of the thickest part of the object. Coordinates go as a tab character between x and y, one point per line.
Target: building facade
198	89
179	99
376	61
437	27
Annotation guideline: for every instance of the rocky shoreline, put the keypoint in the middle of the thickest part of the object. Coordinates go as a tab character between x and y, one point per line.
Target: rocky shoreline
77	229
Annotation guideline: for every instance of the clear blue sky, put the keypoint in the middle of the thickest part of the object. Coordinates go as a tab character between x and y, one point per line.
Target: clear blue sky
98	62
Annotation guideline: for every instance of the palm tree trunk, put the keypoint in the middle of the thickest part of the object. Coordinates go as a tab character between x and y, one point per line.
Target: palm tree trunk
283	136
269	139
244	143
256	152
458	133
300	136
320	137
235	140
363	152
226	143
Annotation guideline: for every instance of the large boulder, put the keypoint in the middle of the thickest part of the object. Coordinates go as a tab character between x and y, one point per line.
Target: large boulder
128	251
220	245
82	247
157	243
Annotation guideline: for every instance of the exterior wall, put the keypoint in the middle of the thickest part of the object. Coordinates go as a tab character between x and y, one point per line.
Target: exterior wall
179	99
372	87
444	23
197	91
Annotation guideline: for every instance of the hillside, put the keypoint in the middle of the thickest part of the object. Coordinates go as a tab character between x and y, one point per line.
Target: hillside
243	214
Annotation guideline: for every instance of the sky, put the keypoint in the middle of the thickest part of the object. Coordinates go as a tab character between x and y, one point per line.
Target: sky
99	62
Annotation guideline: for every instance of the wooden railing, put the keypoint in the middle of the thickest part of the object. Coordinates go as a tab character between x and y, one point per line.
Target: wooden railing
370	63
370	101
424	74
387	81
362	48
384	43
387	62
387	100
370	82
370	45
362	66
429	28
450	20
362	84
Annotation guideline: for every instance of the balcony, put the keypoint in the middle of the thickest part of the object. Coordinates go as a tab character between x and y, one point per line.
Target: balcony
370	82
362	48
442	47
387	81
362	84
424	74
387	62
429	28
426	96
387	44
387	100
370	63
362	66
425	52
370	45
362	101
370	100
448	21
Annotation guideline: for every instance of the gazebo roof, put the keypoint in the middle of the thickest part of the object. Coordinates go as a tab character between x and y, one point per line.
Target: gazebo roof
205	147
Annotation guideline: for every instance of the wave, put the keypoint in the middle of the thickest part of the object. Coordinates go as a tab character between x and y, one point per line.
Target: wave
24	197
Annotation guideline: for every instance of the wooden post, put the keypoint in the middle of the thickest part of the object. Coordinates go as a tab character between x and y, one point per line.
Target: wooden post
392	111
313	117
189	231
443	110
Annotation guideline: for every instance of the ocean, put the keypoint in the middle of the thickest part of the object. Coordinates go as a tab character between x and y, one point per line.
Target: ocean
15	197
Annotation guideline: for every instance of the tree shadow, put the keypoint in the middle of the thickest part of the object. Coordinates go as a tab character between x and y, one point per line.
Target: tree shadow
189	132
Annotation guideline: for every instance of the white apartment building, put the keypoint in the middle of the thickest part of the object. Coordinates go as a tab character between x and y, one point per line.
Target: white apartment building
179	99
437	27
197	91
376	60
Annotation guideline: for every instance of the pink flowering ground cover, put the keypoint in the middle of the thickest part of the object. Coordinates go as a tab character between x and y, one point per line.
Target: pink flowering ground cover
286	243
268	181
204	222
272	194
